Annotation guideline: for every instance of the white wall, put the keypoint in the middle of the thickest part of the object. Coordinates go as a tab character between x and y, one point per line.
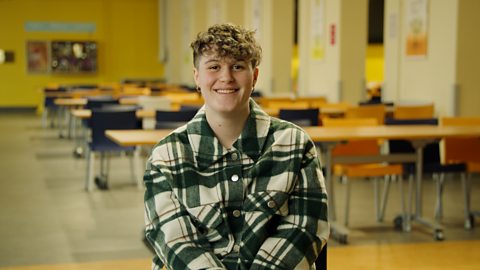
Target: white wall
319	77
423	79
282	46
258	16
353	49
340	74
173	41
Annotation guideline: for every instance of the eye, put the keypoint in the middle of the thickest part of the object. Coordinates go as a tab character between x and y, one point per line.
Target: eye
238	67
214	67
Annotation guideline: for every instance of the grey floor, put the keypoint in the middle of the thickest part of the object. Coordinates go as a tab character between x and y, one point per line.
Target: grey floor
47	217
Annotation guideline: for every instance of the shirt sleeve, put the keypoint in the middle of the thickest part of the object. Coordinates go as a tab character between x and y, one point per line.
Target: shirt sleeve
301	234
169	228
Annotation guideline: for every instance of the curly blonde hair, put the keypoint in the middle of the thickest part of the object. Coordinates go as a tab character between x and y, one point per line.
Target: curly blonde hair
227	40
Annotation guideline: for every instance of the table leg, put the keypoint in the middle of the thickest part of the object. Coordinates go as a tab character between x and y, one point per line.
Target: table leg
418	216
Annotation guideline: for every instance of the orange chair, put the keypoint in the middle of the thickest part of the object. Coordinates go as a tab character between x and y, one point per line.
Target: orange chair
464	150
414	111
373	170
371	111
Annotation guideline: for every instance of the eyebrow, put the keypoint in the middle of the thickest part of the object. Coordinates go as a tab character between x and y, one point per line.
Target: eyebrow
219	60
212	60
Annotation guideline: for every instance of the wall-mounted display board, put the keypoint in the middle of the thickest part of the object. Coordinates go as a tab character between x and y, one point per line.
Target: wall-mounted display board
73	56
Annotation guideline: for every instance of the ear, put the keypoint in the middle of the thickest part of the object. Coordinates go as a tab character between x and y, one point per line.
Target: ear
255	77
195	75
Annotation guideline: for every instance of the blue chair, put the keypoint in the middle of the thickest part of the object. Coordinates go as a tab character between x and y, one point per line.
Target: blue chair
173	119
50	109
301	117
93	102
112	117
432	164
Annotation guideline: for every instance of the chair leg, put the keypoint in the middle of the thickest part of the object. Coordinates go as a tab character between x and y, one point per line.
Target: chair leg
44	117
408	216
439	202
402	202
466	196
347	200
90	170
107	166
376	199
134	168
383	204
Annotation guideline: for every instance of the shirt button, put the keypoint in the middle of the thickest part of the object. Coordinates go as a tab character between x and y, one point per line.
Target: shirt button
271	204
236	248
234	178
237	213
234	156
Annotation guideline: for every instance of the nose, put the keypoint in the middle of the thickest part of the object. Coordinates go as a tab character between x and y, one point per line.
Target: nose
226	75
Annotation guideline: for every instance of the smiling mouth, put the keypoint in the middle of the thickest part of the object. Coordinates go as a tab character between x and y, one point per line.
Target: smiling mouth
226	91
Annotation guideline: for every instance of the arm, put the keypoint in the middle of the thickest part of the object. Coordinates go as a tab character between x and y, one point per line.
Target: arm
304	231
169	229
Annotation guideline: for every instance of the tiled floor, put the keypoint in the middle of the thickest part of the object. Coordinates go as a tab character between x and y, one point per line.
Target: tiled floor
47	217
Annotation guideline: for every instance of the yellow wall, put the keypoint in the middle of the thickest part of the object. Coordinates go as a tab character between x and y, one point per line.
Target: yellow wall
374	63
126	33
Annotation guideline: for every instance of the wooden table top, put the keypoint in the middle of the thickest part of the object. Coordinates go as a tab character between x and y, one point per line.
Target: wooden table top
321	134
86	113
135	137
70	101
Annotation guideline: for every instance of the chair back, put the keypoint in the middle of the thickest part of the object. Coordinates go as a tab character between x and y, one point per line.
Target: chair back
152	103
359	147
134	91
173	119
413	111
301	117
376	111
431	152
111	117
461	149
95	102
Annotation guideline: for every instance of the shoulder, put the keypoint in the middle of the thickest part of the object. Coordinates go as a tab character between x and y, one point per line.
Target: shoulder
285	132
172	146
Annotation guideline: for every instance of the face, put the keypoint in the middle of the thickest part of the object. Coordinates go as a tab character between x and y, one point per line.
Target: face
225	83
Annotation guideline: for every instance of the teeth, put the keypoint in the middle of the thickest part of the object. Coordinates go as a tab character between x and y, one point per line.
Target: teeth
225	91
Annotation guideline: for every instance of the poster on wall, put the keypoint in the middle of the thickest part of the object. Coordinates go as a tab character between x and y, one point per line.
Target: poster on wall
416	18
37	56
73	56
317	16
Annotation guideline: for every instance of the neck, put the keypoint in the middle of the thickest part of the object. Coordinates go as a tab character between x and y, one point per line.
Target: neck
227	127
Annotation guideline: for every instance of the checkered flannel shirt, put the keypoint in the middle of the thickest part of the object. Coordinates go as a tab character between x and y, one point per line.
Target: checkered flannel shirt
260	205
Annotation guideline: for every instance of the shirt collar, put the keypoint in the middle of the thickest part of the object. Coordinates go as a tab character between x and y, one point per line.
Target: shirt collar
208	149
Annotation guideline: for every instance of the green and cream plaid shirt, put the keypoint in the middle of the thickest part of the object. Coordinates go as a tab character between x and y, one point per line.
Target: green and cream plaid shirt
260	205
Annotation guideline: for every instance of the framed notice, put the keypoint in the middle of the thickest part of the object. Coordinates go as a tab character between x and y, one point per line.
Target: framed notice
37	56
416	18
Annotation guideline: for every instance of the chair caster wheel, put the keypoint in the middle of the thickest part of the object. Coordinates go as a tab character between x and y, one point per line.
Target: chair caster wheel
78	152
470	222
342	239
398	223
101	183
438	235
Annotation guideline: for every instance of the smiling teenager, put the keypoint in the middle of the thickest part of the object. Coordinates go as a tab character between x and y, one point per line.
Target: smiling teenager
234	188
